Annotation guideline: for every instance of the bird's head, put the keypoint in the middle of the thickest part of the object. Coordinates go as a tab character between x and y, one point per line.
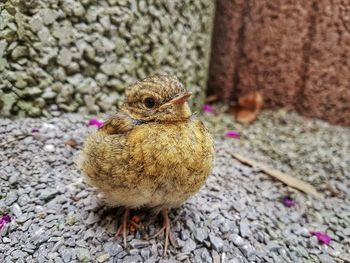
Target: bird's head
159	98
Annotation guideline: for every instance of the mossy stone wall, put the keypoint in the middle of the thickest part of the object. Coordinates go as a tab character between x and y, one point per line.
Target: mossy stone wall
78	56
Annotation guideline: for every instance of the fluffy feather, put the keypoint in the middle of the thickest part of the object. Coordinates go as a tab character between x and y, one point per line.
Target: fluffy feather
149	157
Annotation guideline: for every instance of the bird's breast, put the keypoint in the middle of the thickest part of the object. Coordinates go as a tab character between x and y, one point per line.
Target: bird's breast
172	150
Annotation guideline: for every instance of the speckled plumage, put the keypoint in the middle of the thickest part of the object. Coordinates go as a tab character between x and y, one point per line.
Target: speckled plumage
154	158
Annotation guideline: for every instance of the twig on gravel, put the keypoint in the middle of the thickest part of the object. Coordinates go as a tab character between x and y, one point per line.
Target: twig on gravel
14	139
211	98
285	178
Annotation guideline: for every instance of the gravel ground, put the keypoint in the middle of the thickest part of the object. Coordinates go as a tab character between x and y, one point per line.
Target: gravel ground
236	217
309	149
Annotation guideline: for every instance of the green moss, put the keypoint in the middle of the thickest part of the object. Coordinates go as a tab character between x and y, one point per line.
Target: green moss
84	259
70	220
7	102
122	42
29	108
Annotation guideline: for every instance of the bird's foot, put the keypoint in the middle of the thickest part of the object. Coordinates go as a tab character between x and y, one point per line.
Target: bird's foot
166	229
123	226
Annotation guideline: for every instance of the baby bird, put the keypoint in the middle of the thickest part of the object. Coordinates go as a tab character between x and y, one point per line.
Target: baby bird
152	153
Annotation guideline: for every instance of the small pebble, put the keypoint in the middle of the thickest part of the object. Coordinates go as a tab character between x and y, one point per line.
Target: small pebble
103	258
217	242
49	148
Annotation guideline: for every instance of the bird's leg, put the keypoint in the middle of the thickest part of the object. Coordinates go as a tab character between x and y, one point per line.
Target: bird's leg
166	228
122	228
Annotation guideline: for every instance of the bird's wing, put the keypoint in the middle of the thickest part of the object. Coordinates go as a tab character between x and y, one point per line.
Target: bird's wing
120	123
106	159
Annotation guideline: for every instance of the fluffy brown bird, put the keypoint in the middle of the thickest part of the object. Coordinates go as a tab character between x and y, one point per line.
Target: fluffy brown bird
152	153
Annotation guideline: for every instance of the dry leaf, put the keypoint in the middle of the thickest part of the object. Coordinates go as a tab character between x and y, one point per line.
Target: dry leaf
74	198
211	98
333	191
252	101
71	142
133	224
136	219
246	116
248	107
285	178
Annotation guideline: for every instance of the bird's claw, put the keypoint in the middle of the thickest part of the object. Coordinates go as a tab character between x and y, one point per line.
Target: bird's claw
166	229
123	227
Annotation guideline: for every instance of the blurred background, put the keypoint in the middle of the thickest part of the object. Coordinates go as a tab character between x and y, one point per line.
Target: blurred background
295	52
78	56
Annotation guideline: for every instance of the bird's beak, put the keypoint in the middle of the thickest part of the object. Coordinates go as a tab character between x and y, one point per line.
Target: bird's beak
181	99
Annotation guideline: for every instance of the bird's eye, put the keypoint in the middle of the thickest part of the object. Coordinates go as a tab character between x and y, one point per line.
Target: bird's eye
149	102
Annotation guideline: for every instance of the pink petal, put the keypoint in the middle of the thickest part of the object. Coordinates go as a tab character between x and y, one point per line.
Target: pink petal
208	108
322	237
4	220
232	134
95	122
288	201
